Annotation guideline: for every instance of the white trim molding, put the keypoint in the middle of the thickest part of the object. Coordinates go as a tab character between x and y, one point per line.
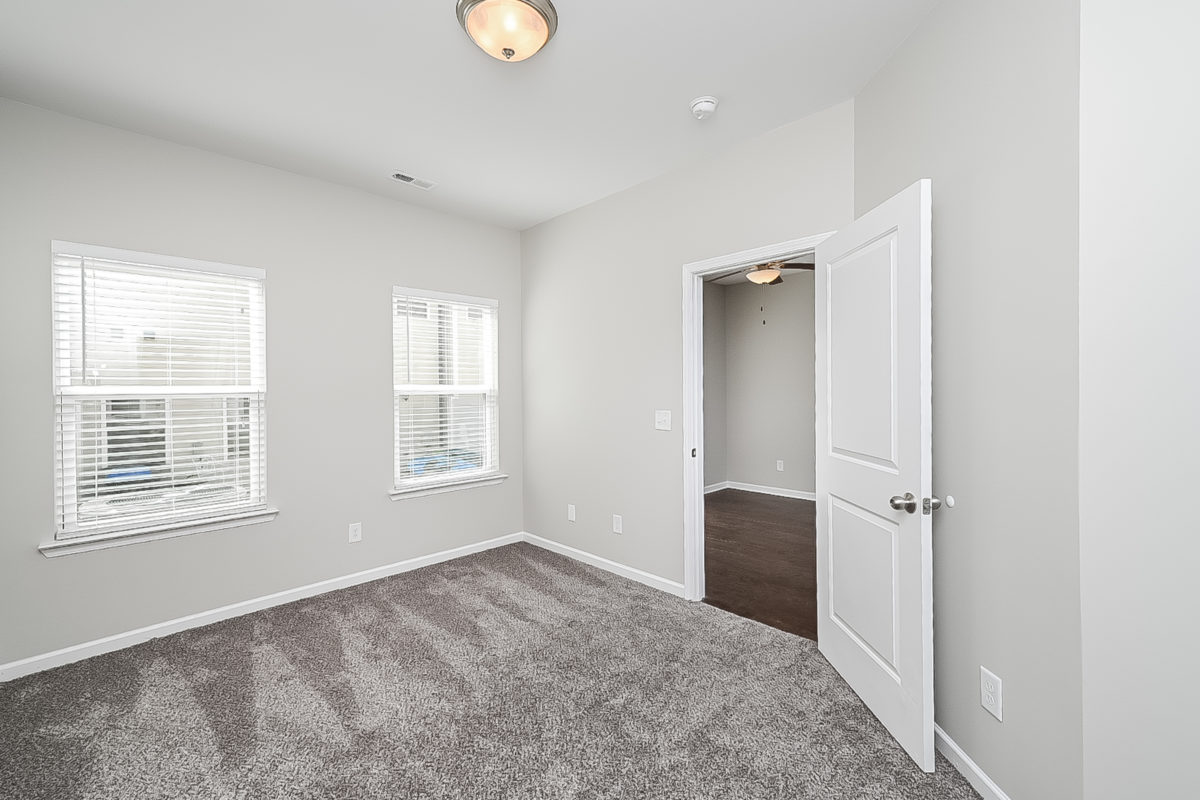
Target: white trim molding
447	297
154	259
649	579
983	784
119	641
962	762
491	479
795	494
103	541
693	389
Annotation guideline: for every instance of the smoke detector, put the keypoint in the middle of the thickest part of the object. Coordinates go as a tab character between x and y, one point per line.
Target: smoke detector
419	183
704	107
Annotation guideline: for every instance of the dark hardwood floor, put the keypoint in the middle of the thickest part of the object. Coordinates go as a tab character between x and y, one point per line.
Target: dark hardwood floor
760	558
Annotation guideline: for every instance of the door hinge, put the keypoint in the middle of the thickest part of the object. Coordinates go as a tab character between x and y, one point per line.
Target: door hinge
693	452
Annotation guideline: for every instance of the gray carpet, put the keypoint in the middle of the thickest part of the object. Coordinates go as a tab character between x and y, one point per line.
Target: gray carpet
514	673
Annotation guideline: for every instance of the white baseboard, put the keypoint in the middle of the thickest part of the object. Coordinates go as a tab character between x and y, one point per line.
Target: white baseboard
983	784
795	494
662	584
979	779
67	655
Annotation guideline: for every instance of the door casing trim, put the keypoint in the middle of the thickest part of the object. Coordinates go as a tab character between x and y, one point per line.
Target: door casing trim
693	389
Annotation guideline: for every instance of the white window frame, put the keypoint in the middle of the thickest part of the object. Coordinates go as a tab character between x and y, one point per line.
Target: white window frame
438	484
66	541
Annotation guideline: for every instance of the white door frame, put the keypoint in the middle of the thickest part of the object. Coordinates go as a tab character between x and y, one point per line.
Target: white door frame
693	390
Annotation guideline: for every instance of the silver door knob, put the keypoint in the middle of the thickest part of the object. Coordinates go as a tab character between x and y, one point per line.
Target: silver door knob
932	504
906	503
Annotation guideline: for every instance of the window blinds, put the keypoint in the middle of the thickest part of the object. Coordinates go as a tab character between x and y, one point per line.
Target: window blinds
160	389
444	375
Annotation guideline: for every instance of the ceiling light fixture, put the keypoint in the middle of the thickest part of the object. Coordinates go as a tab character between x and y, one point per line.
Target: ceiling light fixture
508	30
764	273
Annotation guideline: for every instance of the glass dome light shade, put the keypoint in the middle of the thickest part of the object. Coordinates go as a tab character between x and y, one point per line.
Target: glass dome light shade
763	275
508	30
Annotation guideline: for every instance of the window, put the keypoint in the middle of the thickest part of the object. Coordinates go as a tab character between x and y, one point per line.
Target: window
444	363
159	392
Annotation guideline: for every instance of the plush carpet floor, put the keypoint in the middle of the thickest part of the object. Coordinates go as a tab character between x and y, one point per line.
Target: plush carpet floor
514	673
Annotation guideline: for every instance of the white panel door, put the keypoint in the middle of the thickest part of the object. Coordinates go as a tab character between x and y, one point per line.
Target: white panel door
874	559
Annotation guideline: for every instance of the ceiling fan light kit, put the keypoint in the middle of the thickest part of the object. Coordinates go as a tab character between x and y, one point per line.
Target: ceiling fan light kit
771	273
508	30
764	273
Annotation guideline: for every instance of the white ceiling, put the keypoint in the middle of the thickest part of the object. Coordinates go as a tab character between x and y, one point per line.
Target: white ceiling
353	90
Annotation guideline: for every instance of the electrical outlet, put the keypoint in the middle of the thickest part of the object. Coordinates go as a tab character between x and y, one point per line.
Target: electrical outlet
570	512
617	523
355	532
991	693
779	466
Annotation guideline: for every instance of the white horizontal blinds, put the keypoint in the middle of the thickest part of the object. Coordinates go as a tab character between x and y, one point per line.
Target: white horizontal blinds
160	387
444	374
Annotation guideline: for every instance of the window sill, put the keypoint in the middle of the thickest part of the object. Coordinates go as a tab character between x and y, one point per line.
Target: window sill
103	541
491	479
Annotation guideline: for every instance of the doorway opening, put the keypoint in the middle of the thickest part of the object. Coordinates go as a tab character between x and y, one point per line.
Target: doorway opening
696	276
759	447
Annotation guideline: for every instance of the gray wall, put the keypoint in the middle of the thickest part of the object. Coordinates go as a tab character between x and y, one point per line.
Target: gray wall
331	256
983	99
603	328
1139	397
770	377
714	384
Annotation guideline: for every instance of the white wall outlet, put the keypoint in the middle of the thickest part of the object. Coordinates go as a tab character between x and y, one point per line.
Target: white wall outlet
779	466
662	420
991	693
617	523
355	532
570	512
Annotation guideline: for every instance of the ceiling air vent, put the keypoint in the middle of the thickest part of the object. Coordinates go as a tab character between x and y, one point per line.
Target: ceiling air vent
419	183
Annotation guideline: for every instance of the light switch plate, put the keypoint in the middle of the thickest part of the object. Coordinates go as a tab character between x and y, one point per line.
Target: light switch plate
618	524
570	512
662	420
355	531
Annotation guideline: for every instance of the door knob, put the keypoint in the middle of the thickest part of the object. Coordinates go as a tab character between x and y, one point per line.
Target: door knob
932	504
906	503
